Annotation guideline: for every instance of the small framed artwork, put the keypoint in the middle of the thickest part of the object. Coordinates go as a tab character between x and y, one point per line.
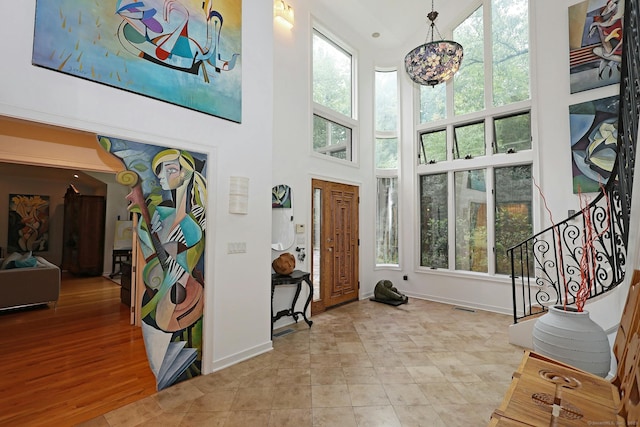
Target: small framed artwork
595	43
184	52
28	223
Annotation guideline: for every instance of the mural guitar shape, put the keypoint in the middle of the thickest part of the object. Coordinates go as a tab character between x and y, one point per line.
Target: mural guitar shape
166	33
169	193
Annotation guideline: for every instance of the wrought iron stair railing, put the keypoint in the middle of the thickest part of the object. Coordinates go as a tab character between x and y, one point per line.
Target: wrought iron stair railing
546	268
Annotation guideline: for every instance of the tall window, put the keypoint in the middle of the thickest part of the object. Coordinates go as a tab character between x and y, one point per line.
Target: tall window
386	152
333	98
474	150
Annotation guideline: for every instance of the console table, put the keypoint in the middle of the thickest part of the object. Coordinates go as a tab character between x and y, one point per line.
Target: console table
295	278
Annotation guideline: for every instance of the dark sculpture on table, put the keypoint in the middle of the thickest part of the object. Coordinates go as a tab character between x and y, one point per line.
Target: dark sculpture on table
386	293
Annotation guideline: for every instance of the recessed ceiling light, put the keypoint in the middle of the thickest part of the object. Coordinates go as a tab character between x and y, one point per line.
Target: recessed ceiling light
375	35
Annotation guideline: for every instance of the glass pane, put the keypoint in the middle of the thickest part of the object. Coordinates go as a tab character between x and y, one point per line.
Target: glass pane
433	103
386	100
387	221
510	33
468	82
514	192
434	231
387	153
471	220
316	250
468	141
331	75
433	147
512	133
331	139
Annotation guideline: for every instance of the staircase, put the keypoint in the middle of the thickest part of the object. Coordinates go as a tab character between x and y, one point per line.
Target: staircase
546	268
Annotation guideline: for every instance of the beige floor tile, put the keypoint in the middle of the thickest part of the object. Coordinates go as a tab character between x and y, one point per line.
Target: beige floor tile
464	415
443	393
292	397
419	416
262	378
394	375
134	413
253	399
248	418
360	375
425	374
376	416
329	396
293	376
421	364
218	400
485	392
290	418
334	417
405	394
324	360
360	360
368	395
197	419
327	376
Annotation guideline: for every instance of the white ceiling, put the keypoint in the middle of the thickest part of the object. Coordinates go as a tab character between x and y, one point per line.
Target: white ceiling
397	21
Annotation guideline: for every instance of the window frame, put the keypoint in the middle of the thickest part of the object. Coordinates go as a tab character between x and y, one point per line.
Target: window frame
489	162
385	173
329	114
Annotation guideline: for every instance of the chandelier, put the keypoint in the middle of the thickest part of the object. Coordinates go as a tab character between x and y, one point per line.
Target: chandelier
434	62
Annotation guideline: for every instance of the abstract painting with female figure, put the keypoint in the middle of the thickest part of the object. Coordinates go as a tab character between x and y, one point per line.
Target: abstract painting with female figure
169	195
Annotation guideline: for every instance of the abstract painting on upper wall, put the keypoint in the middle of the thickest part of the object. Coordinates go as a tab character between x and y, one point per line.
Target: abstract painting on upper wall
594	142
184	52
595	43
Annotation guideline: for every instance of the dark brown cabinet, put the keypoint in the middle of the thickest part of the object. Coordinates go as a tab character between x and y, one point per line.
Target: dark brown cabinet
125	283
83	233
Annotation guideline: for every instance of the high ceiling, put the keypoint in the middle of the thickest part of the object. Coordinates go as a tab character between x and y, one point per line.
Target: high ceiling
397	21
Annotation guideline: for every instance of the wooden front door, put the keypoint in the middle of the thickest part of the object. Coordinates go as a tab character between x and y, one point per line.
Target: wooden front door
335	243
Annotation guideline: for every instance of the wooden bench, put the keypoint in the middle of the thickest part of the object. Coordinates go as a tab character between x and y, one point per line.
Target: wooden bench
547	392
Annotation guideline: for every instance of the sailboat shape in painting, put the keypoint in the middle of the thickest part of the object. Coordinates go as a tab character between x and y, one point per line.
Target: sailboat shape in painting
162	37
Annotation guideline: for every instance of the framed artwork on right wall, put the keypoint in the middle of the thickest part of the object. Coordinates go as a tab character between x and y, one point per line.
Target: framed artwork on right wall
595	43
594	138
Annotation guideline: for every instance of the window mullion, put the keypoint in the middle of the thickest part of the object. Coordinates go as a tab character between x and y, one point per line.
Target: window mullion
491	221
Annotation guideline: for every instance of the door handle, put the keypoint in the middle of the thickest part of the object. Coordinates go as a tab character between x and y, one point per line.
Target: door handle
330	249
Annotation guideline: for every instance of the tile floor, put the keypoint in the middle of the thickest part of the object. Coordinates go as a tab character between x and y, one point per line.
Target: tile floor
362	364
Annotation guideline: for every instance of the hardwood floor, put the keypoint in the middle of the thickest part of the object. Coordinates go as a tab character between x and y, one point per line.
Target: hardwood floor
70	364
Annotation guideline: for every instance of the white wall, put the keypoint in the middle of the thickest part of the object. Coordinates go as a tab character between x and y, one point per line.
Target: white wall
294	165
294	162
237	298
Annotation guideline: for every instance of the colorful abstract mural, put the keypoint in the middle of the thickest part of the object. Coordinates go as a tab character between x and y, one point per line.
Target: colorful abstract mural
595	43
169	196
594	139
186	52
28	223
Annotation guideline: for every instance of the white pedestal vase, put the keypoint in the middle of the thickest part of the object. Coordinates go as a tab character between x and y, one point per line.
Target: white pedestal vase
572	337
